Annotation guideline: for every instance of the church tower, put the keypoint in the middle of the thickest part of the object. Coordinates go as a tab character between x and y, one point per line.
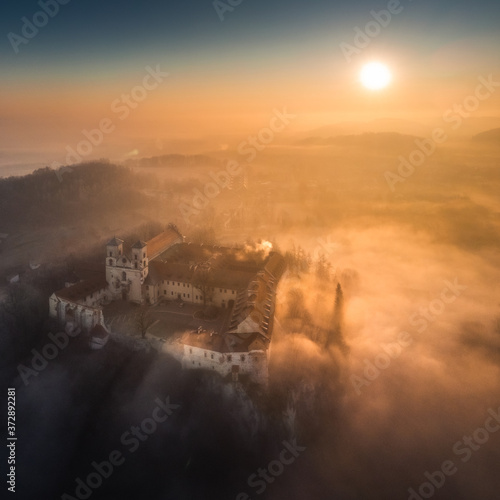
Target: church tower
140	257
114	248
114	251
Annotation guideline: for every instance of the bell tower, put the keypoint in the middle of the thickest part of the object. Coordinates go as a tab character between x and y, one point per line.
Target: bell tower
114	248
140	255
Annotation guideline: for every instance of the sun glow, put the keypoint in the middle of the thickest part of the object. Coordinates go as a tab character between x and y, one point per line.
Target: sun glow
375	76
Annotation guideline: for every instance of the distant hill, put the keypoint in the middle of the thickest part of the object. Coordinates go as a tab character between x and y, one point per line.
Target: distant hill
80	193
386	140
381	125
489	136
173	161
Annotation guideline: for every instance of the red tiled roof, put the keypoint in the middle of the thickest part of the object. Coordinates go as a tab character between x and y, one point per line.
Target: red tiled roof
162	242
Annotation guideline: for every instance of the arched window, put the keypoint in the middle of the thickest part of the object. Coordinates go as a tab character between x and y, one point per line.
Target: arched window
124	276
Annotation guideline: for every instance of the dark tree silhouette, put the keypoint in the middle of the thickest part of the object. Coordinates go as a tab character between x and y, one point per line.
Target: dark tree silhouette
143	321
335	335
203	280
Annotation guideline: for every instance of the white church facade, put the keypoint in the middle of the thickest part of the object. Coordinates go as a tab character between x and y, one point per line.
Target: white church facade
167	268
82	302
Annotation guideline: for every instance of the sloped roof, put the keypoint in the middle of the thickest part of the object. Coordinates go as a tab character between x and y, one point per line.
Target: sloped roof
254	307
139	244
82	289
162	242
275	265
114	242
220	278
224	343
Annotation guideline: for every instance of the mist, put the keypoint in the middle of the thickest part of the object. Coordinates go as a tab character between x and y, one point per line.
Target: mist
373	401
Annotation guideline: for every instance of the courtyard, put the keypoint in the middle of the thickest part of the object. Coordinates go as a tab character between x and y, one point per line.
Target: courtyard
167	320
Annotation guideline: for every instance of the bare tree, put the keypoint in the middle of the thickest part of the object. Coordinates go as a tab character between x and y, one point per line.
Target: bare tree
143	321
203	280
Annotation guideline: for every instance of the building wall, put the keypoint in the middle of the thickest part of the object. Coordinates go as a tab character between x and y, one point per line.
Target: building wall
77	314
171	290
122	275
95	299
253	363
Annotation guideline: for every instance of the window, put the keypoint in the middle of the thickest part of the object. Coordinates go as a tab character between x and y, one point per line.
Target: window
229	357
225	291
242	357
197	297
205	354
190	351
232	291
164	292
144	255
211	356
171	293
124	276
188	295
135	256
111	254
110	262
135	265
168	282
183	294
124	260
220	290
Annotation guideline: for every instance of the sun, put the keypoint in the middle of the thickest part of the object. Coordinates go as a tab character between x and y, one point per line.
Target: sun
375	76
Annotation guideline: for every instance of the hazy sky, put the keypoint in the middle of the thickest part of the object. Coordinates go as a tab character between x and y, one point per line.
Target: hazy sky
226	76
